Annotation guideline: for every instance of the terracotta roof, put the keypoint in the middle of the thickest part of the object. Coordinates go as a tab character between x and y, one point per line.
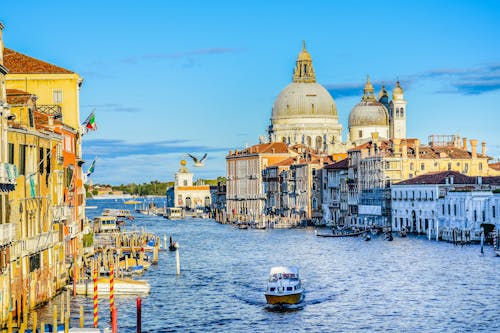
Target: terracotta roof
18	63
268	148
286	162
340	165
16	96
442	176
495	166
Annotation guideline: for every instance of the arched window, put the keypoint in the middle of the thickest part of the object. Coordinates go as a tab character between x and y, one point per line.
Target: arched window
360	134
309	141
319	142
283	139
314	203
397	112
402	114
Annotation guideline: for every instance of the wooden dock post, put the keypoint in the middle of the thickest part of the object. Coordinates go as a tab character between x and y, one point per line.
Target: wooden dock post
68	310
66	323
482	240
34	317
82	318
62	308
165	241
139	315
54	319
177	260
9	322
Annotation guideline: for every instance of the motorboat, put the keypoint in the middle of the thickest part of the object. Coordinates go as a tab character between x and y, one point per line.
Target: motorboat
174	213
284	286
103	224
122	286
123	213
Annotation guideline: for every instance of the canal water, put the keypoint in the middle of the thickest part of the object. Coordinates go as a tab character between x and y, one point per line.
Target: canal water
407	285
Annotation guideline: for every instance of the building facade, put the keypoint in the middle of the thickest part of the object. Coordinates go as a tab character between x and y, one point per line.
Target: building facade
185	194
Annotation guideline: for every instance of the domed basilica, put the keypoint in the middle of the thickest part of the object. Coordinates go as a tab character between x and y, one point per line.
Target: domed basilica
305	113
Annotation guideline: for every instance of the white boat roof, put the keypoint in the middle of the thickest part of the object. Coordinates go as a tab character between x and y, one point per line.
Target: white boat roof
285	269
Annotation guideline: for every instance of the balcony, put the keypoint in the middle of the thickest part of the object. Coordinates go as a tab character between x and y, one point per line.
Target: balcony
51	110
62	212
8	174
7	233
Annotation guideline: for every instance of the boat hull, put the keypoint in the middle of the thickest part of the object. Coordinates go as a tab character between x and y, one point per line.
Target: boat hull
284	299
122	287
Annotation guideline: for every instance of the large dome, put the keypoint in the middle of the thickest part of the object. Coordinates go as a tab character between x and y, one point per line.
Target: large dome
300	99
369	113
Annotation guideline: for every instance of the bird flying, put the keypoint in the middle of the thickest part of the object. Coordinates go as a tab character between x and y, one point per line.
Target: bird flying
198	163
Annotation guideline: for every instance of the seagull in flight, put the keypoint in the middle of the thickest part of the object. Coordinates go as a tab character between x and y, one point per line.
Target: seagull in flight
198	163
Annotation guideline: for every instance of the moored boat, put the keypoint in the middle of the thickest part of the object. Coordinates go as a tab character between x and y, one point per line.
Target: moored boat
122	287
341	234
284	286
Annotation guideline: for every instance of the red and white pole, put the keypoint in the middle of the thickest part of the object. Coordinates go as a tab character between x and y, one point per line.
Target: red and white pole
96	305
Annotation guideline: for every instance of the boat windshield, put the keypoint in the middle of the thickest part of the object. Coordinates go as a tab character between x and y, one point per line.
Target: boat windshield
278	276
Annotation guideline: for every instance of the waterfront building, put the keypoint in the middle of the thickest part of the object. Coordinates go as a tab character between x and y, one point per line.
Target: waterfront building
245	192
45	211
375	165
439	202
8	177
335	192
185	194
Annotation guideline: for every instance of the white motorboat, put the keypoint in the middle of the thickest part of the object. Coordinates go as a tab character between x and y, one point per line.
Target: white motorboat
284	286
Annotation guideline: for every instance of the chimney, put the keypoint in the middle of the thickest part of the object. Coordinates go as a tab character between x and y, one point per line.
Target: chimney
404	149
483	148
473	144
417	148
464	141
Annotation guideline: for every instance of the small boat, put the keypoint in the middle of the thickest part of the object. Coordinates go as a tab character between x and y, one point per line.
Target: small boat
242	226
173	246
402	233
103	224
349	234
368	238
123	286
284	286
90	207
174	213
132	202
124	213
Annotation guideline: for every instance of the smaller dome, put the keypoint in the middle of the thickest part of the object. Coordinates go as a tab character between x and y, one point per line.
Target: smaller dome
369	113
397	92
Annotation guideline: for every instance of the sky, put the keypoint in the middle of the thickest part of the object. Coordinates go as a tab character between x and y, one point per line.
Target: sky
168	78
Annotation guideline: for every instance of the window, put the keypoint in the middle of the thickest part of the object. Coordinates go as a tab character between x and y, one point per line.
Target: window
411	166
466	168
31	118
289	288
314	203
493	212
475	215
449	166
11	153
22	159
314	172
480	166
48	157
484	216
402	112
422	166
360	134
40	160
455	209
449	209
443	209
57	96
185	182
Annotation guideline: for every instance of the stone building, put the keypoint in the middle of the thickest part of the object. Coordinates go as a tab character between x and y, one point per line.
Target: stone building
438	202
185	194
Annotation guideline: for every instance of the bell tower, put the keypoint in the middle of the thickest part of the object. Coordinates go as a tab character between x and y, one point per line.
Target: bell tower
397	111
304	71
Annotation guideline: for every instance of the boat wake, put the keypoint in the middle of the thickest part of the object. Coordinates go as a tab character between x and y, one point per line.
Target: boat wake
281	308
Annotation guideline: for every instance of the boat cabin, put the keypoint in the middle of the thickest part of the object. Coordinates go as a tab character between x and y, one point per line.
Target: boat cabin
105	224
175	213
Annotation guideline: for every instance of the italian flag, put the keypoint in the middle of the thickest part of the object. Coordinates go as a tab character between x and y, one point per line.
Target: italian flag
89	123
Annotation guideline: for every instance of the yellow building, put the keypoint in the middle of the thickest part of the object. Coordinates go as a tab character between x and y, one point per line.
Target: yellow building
37	256
52	85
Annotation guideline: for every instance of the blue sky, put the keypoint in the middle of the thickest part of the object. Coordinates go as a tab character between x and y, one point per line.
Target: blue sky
168	78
